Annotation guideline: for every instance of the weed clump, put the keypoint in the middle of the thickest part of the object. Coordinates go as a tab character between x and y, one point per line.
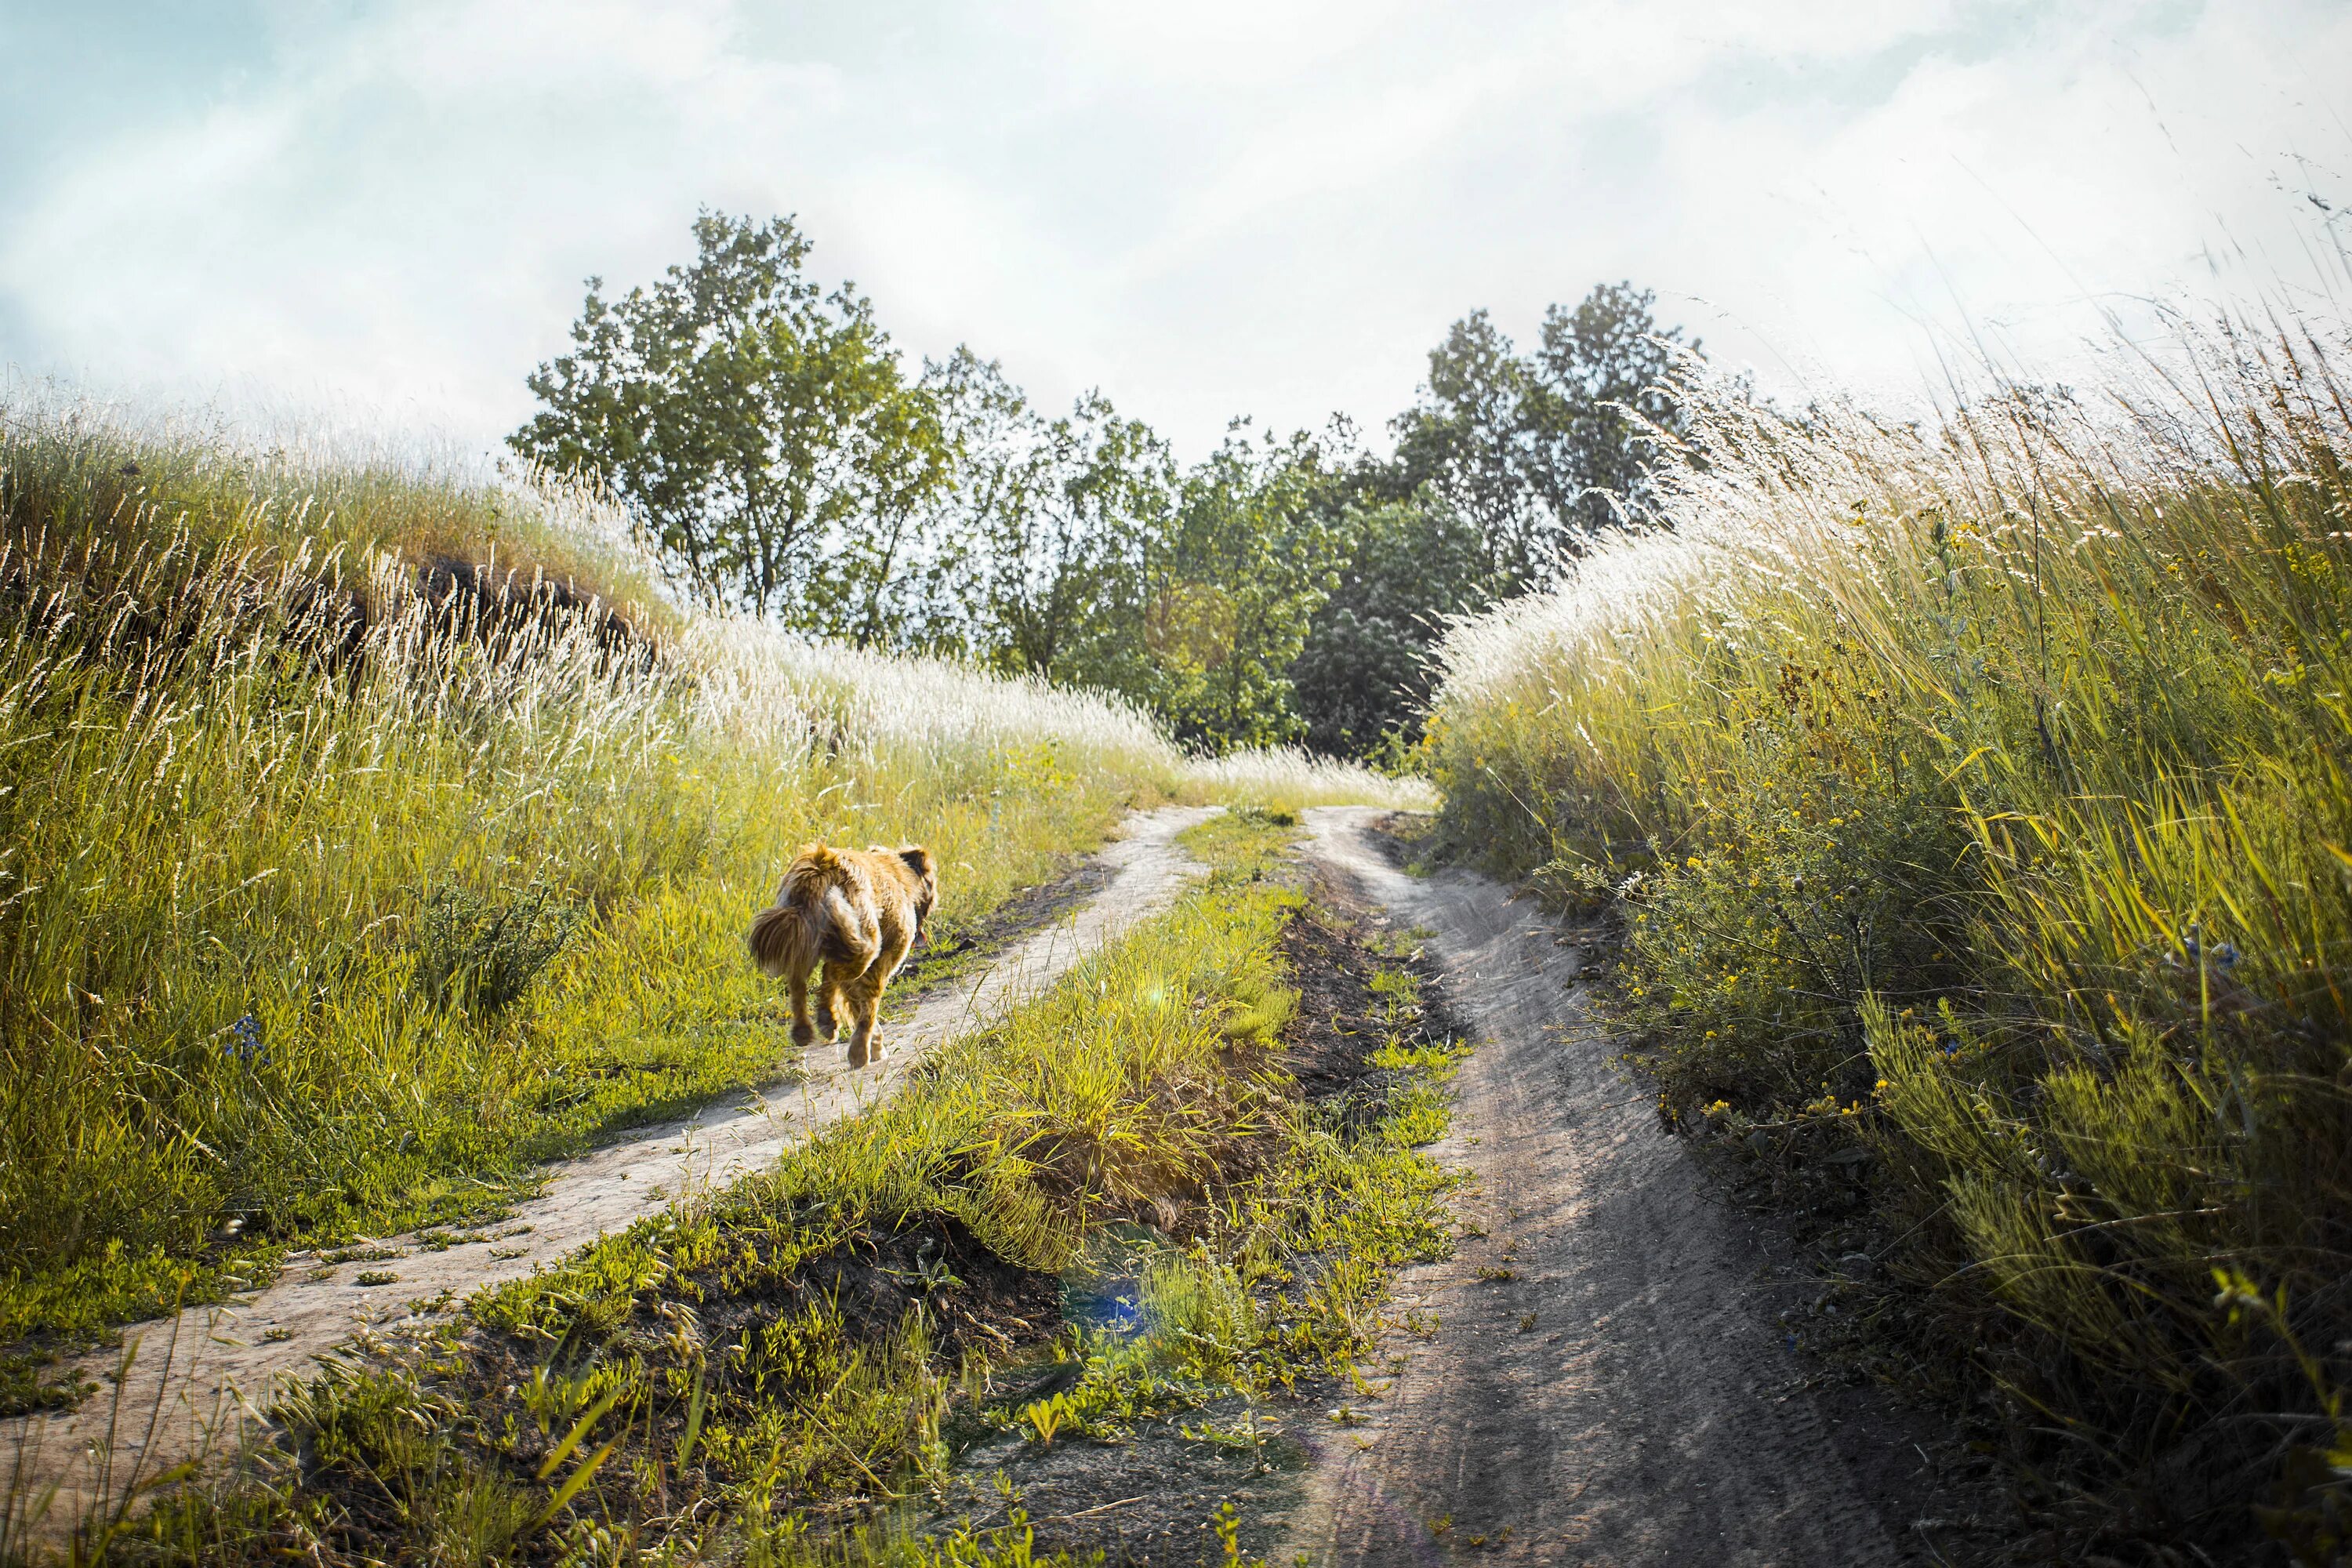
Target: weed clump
479	952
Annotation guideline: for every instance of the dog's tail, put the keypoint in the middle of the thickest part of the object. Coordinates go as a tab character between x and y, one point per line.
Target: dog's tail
815	918
784	939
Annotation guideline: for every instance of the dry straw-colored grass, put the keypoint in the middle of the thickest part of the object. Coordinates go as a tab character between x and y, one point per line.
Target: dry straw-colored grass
1285	778
1981	793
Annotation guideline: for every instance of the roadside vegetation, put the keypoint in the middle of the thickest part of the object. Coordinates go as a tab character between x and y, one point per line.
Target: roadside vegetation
341	886
1978	798
1147	1209
1285	779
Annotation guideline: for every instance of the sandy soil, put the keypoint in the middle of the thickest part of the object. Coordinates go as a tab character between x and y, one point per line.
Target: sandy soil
193	1380
1599	1379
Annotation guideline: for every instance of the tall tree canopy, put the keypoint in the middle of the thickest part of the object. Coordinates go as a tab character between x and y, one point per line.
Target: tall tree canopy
1506	468
1248	560
1538	450
754	425
766	438
1054	521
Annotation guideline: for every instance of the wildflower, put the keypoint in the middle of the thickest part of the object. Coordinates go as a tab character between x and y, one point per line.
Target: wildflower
243	1042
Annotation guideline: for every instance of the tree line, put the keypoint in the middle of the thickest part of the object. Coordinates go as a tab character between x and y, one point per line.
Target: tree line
781	458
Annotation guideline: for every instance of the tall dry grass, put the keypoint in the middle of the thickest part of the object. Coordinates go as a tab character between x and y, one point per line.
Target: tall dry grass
202	486
334	895
1979	795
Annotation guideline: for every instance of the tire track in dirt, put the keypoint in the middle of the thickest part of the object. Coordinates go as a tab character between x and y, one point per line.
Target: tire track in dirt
195	1379
1603	1386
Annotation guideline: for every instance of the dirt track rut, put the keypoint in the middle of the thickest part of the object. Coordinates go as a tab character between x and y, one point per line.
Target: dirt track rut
214	1365
1619	1398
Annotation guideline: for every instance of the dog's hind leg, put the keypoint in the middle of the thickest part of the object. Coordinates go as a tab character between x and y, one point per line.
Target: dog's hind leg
803	1034
829	1003
865	1003
864	995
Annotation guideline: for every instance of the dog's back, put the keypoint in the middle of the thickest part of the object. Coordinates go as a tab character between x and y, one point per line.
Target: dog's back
855	914
824	913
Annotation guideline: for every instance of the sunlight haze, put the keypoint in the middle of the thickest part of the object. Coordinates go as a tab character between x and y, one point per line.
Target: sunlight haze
1211	210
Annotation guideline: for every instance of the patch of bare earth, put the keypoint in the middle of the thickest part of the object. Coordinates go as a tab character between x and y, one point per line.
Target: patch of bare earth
1601	1376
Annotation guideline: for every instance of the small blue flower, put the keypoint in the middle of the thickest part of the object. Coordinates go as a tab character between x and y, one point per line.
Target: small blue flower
243	1042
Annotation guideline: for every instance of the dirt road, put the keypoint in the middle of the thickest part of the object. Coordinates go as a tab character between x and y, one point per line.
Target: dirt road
1603	1383
213	1365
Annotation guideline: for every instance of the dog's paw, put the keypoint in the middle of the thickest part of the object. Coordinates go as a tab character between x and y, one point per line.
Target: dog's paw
803	1037
827	1026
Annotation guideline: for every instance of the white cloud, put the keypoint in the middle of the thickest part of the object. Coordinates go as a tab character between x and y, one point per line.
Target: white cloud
1271	207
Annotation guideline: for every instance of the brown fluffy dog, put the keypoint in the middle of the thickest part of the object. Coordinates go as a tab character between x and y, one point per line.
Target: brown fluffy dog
857	913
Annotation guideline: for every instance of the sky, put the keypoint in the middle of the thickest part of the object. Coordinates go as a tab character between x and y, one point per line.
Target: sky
381	215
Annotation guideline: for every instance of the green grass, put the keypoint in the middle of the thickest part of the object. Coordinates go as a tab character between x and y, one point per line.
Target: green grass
310	928
754	1375
1243	844
1980	796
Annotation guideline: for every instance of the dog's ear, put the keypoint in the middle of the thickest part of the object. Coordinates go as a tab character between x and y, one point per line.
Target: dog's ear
918	859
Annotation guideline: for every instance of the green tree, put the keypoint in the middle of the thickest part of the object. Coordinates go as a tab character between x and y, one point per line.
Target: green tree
1505	468
1599	379
1364	674
1539	451
760	430
1469	441
1233	588
1056	519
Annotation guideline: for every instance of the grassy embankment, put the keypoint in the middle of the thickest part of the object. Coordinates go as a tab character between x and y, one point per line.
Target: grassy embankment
1980	797
341	882
764	1374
